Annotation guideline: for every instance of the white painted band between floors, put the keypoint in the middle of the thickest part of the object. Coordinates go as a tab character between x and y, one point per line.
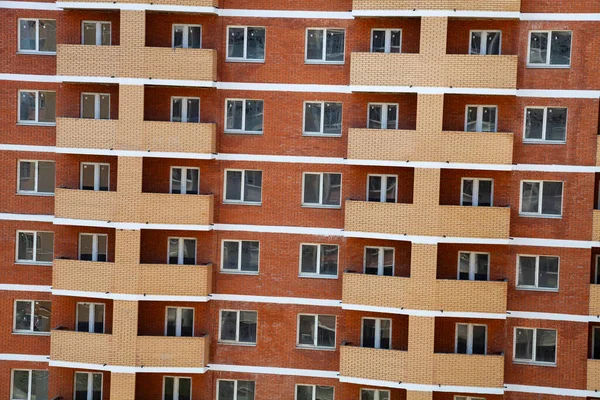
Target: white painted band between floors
125	369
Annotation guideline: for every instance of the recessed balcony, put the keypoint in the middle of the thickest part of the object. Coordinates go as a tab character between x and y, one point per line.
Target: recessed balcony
594	308
471	5
596	225
468	370
378	291
376	364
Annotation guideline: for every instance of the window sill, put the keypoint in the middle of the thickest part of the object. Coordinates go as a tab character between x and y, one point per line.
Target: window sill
234	132
534	363
301	347
534	289
32	123
31	333
540	216
241	203
252	273
237	344
36	53
35	194
554	142
329	277
244	60
537	66
320	62
43	264
320	206
325	135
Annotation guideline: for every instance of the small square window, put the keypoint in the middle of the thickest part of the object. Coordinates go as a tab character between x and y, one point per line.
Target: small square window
535	345
541	198
322	190
481	119
386	41
31	316
235	390
96	33
240	256
243	186
37	107
37	36
322	118
325	46
316	331
246	43
549	49
485	43
36	177
238	326
35	247
319	260
545	124
187	36
244	116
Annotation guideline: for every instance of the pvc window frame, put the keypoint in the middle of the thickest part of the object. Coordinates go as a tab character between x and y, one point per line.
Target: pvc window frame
479	121
30	380
314	390
318	266
34	261
237	327
37	37
533	347
315	333
235	386
91	317
95	248
469	338
323	59
548	51
98	32
376	393
468	398
242	189
183	174
178	318
388	40
475	196
536	286
181	249
33	192
380	259
377	331
239	261
384	187
384	114
320	203
90	384
543	140
37	108
96	104
539	213
184	109
96	175
322	121
244	58
175	385
243	131
484	35
185	41
29	331
472	257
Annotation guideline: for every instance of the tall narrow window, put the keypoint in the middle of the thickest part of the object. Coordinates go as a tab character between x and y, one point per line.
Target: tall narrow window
185	180
29	385
471	339
541	198
187	36
382	188
545	124
376	333
179	321
537	272
386	40
93	247
535	345
177	388
244	116
95	105
473	266
36	177
379	261
477	192
374	394
322	189
90	317
31	316
549	49
243	186
597	270
185	109
88	386
314	392
238	326
325	46
182	251
240	256
37	107
246	43
235	390
316	331
95	176
35	247
596	342
481	119
383	116
96	33
319	260
322	118
37	36
485	43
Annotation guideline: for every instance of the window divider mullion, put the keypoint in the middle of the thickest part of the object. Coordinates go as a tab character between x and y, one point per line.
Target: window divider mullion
549	45
324	52
544	122
94	247
184	38
316	331
32	315
176	388
37	35
97	105
34	253
244	115
37	175
98	33
475	199
380	261
388	41
239	263
533	344
377	333
237	325
96	177
92	317
242	188
37	104
184	104
537	271
540	197
322	127
245	52
30	383
483	43
318	266
90	379
321	189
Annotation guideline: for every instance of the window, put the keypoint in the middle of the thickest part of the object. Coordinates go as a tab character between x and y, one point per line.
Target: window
185	109
32	316
314	392
383	116
95	105
545	124
322	189
36	177
90	317
470	339
322	118
246	43
379	261
535	345
238	326
88	386
240	256
37	36
177	388
374	394
537	272
35	247
386	41
185	180
316	331
473	266
29	385
597	271
244	116
319	260
468	398
182	251
179	321
382	188
541	198
235	390
37	107
96	33
596	343
481	119
477	192
93	247
376	333
325	46
485	43
549	49
95	176
243	186
187	36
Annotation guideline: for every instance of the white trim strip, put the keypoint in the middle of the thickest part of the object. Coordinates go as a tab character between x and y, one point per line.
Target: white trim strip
136	7
552	316
284	14
420	387
24	357
276	300
567	94
296	230
549	390
432	90
26	217
30	77
437	13
284	87
281	159
26	5
559	17
422	313
274	371
13	287
126	370
128	297
134	153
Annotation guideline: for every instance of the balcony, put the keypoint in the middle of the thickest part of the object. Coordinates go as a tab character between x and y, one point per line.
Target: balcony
377	364
471	296
172	352
446	70
378	291
593	375
594	308
185	3
468	370
81	347
455	147
86	204
596	225
472	5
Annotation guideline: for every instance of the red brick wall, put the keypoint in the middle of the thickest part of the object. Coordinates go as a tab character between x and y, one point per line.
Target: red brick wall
18	343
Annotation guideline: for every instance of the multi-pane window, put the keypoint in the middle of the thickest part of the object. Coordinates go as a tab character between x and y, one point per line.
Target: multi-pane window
470	339
185	180
37	107
245	43
383	116
35	247
243	186
244	116
374	394
481	119
177	388
235	390
535	345
238	326
325	45
182	251
541	198
322	189
185	109
322	118
316	331
596	342
95	105
379	261
240	256
386	41
96	33
485	42
477	192
179	321
31	316
545	124
187	36
37	36
538	272
382	188
90	317
314	392
93	246
549	48
88	386
376	333
36	177
473	266
319	260
29	385
95	176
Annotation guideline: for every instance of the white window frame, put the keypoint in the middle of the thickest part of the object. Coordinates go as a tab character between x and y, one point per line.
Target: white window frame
178	320
479	122
29	331
96	104
94	245
469	338
388	39
98	31
318	273
535	287
185	42
539	214
239	261
34	261
484	34
472	258
382	195
37	37
242	189
243	130
30	380
235	386
92	316
37	107
96	175
381	258
183	176
548	51
468	398
90	388
245	56
314	390
384	114
475	197
320	203
33	192
376	393
377	331
180	249
324	54
315	333
533	346
175	385
184	108
322	123
237	327
544	124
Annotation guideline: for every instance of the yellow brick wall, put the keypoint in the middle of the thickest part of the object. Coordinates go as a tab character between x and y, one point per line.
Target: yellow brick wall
593	375
367	363
468	370
471	296
594	308
472	5
413	395
125	322
596	225
175	280
122	386
93	348
171	351
420	349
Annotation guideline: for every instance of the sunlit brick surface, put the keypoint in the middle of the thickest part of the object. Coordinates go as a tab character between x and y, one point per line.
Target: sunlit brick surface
472	5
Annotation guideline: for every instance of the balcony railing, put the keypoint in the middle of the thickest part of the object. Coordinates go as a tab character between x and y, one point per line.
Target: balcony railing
594	308
81	347
463	5
593	375
596	225
378	291
471	296
377	364
469	370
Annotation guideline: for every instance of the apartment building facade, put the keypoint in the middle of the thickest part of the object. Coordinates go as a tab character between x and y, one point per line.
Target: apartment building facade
308	200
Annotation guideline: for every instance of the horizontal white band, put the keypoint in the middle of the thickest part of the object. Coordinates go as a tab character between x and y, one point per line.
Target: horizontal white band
23	357
29	5
276	300
135	7
550	390
128	297
12	287
274	371
297	230
126	370
129	225
422	388
422	313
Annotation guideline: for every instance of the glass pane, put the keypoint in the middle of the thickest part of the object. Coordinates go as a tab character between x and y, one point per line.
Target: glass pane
20	385
475	43
392	117
467	192
189	252
234	114
185	389
372	260
471	119
39	385
326	331
97	387
366	394
226	390
99	318
28	35
256	44
534	120
233	188
245	390
329	259
335	45
88	106
45	247
27	175
48	35
479	332
556	124
374	116
235	46
23	316
46	177
596	340
83	317
548	272
390	192
105	34
192	180
560	48
176	180
538	48
104	176
87	177
545	345
193	110
81	385
308	264
178	36
306	331
488	122
312	117
27	106
169	390
25	246
530	197
304	392
333	118
47	107
253	186
177	110
493	43
526	276
462	332
311	188
187	322
250	254
314	44
396	41
332	189
171	321
481	267
464	260
384	395
104	106
552	198
194	38
173	251
86	247
248	326
254	115
228	325
388	262
384	336
378	41
484	198
324	393
230	255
